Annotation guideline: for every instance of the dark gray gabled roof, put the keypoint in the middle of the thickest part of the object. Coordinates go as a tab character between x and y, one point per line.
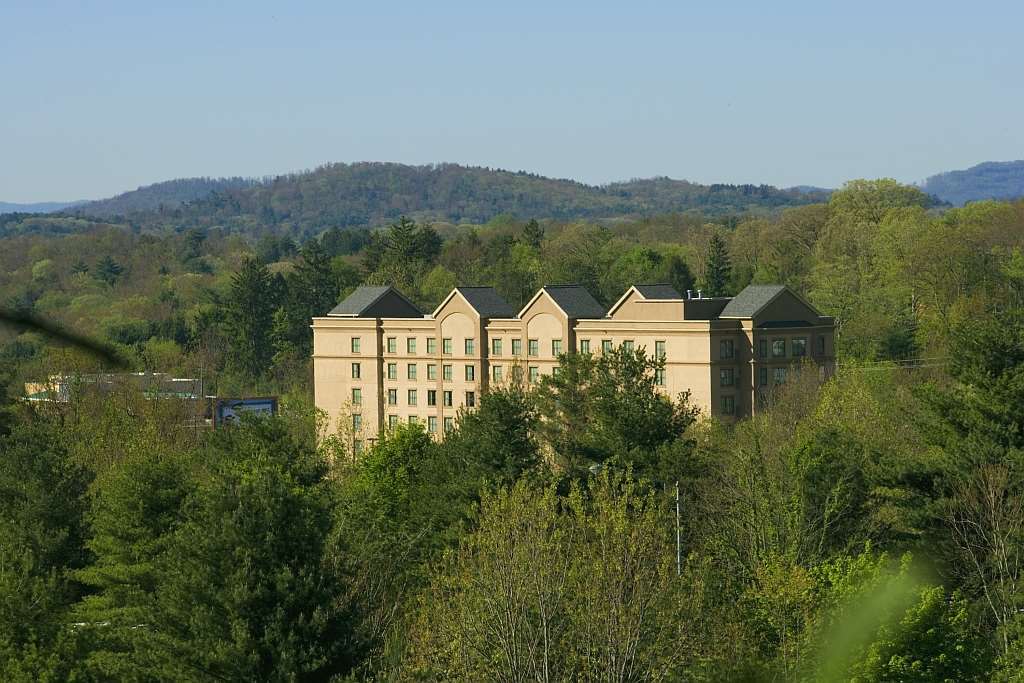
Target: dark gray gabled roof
750	301
487	302
377	301
576	301
662	291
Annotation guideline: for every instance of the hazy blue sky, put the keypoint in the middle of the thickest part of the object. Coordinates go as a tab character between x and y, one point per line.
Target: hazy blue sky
100	97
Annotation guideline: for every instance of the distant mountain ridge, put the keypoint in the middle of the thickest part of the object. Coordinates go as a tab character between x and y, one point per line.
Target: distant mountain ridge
166	194
988	180
36	207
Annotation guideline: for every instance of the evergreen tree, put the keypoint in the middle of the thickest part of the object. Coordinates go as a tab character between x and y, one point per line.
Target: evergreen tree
108	271
249	318
717	268
533	234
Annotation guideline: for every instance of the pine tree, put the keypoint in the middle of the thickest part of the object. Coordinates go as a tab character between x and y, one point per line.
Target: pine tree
108	271
533	234
249	317
717	269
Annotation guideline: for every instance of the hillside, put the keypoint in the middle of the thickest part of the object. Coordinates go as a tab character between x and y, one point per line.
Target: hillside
36	207
989	180
372	194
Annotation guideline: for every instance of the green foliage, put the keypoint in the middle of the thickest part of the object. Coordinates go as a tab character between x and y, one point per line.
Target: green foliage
717	268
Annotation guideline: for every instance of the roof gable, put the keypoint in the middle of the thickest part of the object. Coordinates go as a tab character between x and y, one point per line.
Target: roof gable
573	300
658	292
755	299
487	302
376	301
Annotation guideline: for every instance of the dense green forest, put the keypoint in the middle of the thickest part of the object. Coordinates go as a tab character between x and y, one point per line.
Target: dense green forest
870	528
990	180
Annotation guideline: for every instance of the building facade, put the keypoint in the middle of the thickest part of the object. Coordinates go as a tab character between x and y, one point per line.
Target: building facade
379	361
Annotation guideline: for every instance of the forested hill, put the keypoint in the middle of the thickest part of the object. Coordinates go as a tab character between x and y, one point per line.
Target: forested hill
168	194
990	180
371	194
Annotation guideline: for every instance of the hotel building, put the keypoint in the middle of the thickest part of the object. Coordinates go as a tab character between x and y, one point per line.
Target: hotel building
379	361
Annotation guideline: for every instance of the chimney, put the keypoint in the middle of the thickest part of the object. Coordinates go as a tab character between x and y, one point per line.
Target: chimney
700	293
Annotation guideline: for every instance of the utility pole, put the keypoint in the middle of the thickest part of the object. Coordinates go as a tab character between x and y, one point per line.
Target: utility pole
679	546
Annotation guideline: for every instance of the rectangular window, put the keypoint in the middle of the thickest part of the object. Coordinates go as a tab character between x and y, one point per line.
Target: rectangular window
410	371
778	348
517	347
470	399
392	421
470	373
779	374
606	346
534	373
799	347
412	397
495	347
357	344
726	377
431	397
446	372
356	371
726	349
447	399
821	345
659	377
431	345
412	420
357	446
762	348
357	422
628	345
392	370
659	350
410	345
496	373
392	397
449	425
555	371
392	345
446	346
432	371
762	377
533	348
431	425
517	373
728	405
470	347
357	396
584	346
556	347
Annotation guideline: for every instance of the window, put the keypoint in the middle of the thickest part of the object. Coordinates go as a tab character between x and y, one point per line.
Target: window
517	347
357	343
821	345
534	373
470	399
431	397
517	373
470	373
356	371
412	397
449	425
392	345
659	377
726	377
726	349
432	371
431	424
470	347
799	347
357	446
392	370
556	347
431	345
762	348
392	421
762	377
412	420
606	346
496	373
446	372
446	346
533	348
410	345
357	422
628	345
410	371
778	348
555	371
584	346
447	399
728	405
779	375
357	396
392	397
495	347
659	350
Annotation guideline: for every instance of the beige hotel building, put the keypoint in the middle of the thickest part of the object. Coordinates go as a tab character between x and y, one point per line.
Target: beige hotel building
379	361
